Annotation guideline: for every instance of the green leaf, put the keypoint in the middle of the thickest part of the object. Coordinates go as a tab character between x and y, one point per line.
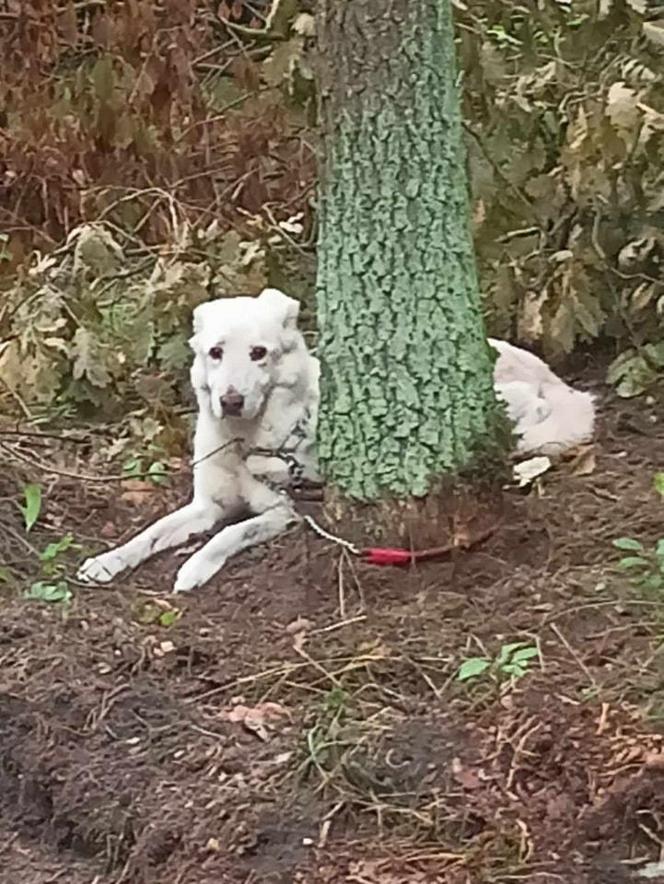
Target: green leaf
49	592
336	699
32	506
525	654
658	483
103	78
133	466
631	374
506	652
628	544
53	550
168	618
502	37
158	473
633	562
659	549
472	667
514	670
174	354
655	353
620	366
653	581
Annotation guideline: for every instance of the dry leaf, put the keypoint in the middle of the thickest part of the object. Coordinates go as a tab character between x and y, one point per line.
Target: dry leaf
300	624
527	471
530	319
258	719
298	628
654	31
89	361
305	25
584	462
479	213
282	758
107	530
467	778
299	641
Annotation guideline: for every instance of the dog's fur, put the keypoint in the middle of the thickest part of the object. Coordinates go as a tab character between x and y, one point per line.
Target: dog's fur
278	414
549	416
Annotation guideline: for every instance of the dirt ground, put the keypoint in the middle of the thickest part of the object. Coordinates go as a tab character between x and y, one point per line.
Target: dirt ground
301	720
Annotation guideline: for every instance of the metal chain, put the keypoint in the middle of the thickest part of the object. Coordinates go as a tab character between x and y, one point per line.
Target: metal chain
285	454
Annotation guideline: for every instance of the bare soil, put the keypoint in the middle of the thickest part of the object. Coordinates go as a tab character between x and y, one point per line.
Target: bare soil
301	720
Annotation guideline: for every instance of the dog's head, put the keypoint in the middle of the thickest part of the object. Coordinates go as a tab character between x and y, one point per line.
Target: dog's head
239	344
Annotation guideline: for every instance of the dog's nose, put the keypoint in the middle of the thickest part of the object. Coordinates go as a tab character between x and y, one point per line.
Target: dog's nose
232	403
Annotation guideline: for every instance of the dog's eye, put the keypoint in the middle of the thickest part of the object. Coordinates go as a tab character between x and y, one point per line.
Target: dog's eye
216	353
257	353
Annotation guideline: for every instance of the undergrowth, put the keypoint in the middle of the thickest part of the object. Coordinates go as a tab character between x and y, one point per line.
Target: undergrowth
156	156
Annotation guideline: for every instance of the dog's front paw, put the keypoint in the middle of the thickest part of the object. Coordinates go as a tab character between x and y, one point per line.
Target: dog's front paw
195	572
101	569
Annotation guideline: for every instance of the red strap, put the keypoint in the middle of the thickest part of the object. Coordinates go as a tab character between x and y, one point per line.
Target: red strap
378	555
387	556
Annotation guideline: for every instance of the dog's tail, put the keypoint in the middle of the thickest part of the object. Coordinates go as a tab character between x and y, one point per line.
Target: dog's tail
570	422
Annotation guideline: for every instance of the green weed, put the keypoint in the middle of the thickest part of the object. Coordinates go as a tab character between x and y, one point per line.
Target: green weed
512	661
644	565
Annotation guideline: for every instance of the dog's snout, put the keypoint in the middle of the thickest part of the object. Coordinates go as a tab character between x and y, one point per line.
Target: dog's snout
232	403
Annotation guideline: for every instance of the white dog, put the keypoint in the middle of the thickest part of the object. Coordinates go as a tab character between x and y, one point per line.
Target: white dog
257	391
549	417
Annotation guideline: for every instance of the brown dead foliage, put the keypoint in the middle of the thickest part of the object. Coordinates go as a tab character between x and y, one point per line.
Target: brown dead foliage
104	106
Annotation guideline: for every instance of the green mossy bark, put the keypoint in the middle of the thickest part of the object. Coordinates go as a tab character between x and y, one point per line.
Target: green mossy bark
407	394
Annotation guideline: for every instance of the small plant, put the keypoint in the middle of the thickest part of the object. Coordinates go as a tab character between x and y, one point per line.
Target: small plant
32	507
156	472
50	555
323	738
52	593
634	371
159	613
512	662
644	566
53	587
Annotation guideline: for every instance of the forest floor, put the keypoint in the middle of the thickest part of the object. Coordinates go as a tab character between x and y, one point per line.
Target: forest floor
301	719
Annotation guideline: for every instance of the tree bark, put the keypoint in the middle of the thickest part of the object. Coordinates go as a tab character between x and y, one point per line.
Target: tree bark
407	402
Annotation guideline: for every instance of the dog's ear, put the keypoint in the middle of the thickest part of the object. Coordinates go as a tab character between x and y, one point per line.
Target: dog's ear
198	321
199	314
283	308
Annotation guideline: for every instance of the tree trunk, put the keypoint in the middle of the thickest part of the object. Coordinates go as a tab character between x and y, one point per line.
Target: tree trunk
408	409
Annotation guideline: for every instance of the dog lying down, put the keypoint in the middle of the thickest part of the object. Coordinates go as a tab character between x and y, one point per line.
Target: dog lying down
257	391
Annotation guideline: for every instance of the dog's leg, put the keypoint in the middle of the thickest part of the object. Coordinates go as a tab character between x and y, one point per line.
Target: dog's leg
231	540
172	530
